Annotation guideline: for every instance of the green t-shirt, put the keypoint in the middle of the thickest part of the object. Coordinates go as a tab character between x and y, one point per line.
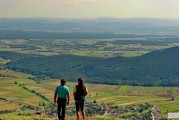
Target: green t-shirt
62	91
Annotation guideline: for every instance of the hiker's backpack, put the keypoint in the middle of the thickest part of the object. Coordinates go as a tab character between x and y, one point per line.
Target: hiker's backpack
80	93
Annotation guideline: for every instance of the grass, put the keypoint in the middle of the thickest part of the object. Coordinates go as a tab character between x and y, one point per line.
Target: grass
3	61
94	53
133	53
15	117
103	53
19	75
7	105
13	92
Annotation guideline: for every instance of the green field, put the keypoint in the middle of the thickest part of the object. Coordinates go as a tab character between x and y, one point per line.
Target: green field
3	61
113	94
85	47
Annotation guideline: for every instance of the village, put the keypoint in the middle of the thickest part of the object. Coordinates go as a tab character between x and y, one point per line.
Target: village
135	112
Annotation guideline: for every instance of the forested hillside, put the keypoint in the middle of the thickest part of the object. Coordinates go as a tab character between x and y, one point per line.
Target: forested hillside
15	56
155	68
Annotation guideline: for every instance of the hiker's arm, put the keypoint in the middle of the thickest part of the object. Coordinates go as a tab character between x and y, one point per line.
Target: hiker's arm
86	91
55	97
68	99
74	94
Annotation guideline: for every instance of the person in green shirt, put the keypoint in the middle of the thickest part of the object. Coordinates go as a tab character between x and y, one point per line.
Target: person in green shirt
63	99
79	93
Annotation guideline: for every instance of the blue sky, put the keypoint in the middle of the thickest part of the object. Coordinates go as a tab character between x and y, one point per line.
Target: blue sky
90	8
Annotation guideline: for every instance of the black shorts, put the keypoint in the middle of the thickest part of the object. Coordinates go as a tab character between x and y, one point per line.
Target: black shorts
79	106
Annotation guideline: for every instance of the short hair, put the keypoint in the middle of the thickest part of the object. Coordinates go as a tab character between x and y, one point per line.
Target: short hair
63	81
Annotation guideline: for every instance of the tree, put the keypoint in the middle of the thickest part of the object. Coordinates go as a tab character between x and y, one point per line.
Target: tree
43	104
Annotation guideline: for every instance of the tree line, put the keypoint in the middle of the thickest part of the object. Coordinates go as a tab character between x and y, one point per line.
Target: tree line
32	91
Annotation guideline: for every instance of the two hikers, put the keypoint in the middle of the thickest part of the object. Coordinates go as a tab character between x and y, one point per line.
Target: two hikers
62	91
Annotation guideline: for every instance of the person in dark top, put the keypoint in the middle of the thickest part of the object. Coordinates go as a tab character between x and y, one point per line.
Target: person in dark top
79	93
62	92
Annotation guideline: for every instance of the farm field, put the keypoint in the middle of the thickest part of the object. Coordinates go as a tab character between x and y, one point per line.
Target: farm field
110	94
3	61
126	47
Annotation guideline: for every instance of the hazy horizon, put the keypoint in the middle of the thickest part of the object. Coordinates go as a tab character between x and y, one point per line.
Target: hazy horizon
147	18
89	9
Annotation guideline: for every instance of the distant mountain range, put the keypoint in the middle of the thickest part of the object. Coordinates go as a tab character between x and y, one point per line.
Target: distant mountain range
155	68
131	25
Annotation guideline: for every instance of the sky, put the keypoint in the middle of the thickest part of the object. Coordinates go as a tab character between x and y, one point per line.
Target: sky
90	8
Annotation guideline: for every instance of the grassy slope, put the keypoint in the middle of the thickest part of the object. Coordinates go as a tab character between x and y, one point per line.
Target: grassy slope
13	117
14	92
117	95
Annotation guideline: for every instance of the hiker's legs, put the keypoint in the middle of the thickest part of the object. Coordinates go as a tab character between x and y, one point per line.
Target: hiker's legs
77	110
83	114
59	111
63	110
82	110
78	115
